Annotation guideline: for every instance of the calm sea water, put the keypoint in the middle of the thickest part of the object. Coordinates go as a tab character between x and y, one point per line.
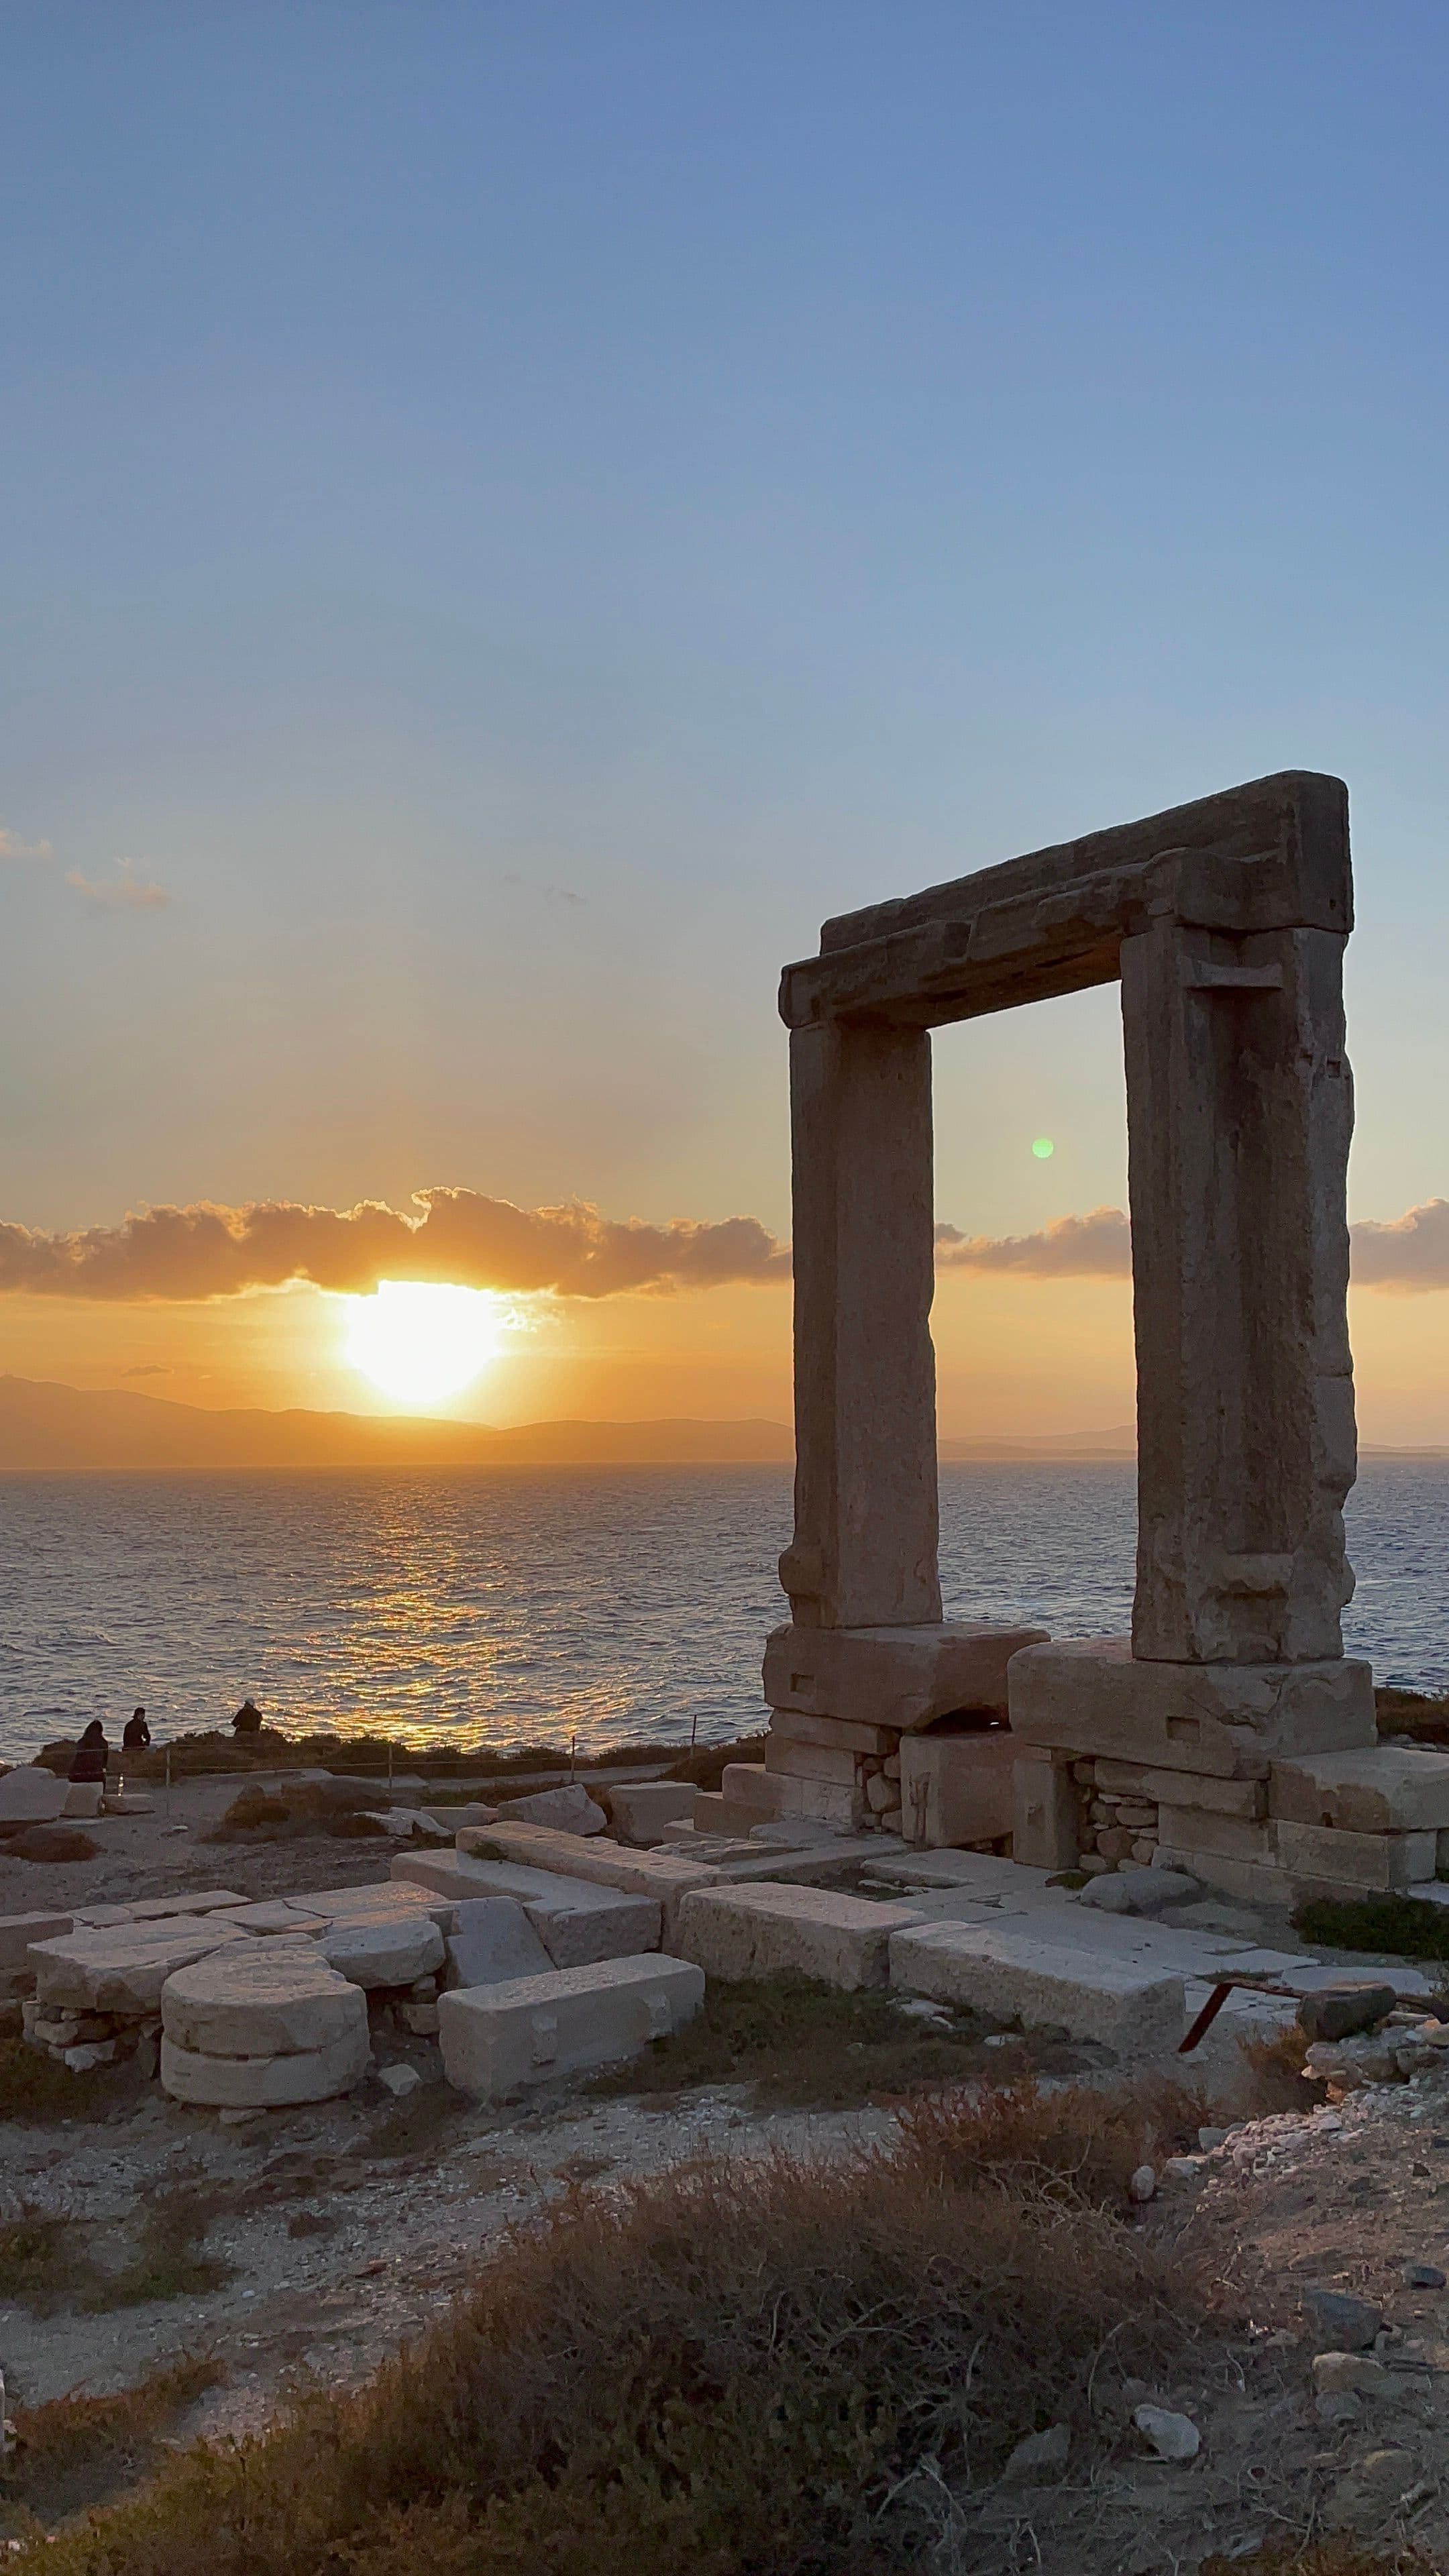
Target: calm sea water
522	1603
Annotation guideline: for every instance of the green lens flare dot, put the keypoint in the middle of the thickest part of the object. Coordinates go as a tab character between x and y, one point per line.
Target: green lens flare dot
1043	1148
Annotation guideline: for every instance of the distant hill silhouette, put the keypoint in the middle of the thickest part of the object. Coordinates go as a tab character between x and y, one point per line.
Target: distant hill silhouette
45	1425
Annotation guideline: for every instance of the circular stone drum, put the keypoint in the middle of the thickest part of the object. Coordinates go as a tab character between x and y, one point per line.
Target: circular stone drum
262	2023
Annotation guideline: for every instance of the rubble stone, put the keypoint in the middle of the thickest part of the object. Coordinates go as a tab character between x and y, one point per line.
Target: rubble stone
491	1941
567	1810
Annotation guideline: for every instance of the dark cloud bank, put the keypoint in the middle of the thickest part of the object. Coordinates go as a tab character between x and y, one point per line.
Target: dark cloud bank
572	1251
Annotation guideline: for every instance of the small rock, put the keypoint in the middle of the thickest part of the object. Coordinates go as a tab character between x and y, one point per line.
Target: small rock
235	2119
1143	2184
1338	2012
1337	2374
1337	2406
1182	2168
1209	2138
1041	2454
1424	2276
1173	2437
399	2080
1353	2323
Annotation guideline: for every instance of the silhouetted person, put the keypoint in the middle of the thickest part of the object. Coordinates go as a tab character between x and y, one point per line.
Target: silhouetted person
138	1733
248	1719
88	1762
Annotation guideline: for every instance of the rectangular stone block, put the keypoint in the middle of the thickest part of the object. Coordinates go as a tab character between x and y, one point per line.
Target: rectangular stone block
18	1931
1251	1882
1198	1829
1044	1829
640	1810
957	1788
893	1678
1088	1695
492	1941
1392	1790
843	1734
1019	1975
598	1861
532	2030
762	1931
785	1757
1183	1788
749	1784
123	1969
578	1923
1344	1860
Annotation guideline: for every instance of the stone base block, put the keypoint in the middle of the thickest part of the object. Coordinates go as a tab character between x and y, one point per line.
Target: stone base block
1182	1788
579	1924
1251	1882
834	1733
1011	1975
31	1795
18	1931
761	1931
491	1942
1089	1696
1195	1829
565	1810
266	2083
1343	1861
893	1678
957	1788
1395	1789
786	1757
640	1811
123	1969
531	2030
84	1798
262	1999
1046	1824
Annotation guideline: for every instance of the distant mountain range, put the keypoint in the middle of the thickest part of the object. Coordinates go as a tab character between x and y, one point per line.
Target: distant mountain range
94	1429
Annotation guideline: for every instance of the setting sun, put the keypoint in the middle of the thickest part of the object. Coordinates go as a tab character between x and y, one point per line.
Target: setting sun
419	1344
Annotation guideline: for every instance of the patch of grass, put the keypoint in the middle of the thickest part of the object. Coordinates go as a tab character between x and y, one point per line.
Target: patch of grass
43	2265
51	1842
37	2092
78	2451
168	2262
751	2369
289	1814
1403	1927
803	2045
1321	2558
46	2264
423	2123
705	1765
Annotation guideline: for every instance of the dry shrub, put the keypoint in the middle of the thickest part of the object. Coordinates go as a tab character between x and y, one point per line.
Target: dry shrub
740	2368
51	1842
1321	2558
704	1764
289	1813
78	2449
1278	2077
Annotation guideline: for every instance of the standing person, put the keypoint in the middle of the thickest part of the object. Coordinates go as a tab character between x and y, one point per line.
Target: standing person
88	1762
248	1719
138	1734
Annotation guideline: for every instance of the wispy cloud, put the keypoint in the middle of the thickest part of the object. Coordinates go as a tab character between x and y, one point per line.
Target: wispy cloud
458	1237
12	847
124	892
1098	1246
1408	1252
150	1368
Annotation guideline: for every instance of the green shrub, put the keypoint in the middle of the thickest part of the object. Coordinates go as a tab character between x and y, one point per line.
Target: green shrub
1403	1927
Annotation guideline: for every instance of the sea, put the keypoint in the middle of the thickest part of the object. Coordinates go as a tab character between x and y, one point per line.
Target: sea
495	1607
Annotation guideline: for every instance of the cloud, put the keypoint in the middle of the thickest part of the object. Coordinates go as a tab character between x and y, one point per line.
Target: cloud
124	892
1098	1246
460	1237
12	847
1410	1252
150	1368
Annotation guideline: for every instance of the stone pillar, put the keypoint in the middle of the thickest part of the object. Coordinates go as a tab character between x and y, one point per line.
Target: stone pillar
1239	1111
866	1527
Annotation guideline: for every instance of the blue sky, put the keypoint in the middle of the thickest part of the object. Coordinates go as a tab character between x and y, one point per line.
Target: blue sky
511	514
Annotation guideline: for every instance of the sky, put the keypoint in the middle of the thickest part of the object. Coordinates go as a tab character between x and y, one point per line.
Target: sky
510	516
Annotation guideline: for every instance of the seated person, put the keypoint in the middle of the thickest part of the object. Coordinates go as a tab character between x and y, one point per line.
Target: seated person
88	1762
138	1734
248	1719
